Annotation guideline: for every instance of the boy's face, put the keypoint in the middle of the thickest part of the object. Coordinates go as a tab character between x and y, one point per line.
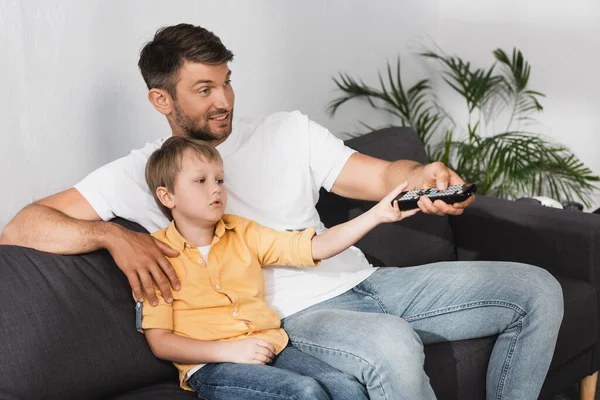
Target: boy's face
200	195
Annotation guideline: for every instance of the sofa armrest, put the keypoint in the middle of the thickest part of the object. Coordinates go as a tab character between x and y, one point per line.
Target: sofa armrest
566	243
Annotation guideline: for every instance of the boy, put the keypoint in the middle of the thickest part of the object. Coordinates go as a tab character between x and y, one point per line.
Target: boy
219	316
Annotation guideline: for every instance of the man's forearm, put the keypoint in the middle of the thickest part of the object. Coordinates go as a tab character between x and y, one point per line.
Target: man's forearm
400	171
44	228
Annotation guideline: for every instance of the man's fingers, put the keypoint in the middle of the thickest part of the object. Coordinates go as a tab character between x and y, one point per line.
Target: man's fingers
169	252
136	287
427	206
169	271
455	179
465	204
162	282
442	178
445	208
148	285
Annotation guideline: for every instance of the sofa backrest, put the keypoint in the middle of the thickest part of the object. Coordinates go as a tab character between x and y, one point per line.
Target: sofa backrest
67	329
417	240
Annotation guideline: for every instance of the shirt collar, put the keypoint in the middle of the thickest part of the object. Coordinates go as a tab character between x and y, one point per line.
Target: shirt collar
181	243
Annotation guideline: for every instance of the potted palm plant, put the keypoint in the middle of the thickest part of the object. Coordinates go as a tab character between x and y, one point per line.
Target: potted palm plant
511	163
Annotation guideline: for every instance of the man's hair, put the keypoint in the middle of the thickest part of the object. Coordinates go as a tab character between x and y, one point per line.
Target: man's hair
161	58
164	164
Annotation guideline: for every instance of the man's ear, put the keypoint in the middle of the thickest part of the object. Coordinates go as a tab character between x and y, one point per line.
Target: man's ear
165	197
161	100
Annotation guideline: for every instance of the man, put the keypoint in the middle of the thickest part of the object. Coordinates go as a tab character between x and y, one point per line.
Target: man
368	322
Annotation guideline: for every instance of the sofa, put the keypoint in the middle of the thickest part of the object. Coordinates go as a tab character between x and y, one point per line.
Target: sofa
67	326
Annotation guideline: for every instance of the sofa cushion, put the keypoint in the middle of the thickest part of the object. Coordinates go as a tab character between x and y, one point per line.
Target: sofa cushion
428	237
68	329
579	328
159	391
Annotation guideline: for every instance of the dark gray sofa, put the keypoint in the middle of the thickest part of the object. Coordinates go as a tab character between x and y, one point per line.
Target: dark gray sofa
67	322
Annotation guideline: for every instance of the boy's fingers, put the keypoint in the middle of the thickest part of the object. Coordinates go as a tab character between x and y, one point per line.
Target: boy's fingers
399	189
266	345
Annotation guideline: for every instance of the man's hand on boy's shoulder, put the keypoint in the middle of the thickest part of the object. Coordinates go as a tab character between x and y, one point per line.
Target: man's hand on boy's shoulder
142	259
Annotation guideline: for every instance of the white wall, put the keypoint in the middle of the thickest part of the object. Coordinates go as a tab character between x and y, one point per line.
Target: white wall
72	98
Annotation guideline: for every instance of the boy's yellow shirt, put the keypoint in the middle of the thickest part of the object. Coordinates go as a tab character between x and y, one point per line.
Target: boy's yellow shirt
222	298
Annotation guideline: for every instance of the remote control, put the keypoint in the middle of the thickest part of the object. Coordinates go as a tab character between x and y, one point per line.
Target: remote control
452	194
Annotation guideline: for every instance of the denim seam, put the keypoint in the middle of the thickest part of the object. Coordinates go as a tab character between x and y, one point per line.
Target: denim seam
371	295
506	365
488	303
465	306
240	389
327	349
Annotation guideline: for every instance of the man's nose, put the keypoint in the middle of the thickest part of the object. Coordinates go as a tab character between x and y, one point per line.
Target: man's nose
224	99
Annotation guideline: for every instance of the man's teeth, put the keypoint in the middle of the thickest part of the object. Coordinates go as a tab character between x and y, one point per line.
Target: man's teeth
220	118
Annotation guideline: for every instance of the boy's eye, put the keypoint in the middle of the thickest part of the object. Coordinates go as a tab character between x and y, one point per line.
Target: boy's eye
220	181
201	180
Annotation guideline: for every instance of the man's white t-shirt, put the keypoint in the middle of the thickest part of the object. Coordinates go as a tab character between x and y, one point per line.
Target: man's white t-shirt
274	169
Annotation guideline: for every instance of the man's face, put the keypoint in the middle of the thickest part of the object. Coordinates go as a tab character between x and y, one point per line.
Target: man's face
199	194
204	104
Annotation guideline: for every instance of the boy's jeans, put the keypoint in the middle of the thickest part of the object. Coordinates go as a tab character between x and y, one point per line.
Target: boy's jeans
293	375
376	330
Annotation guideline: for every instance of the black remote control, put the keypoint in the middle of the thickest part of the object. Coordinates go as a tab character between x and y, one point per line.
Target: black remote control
452	194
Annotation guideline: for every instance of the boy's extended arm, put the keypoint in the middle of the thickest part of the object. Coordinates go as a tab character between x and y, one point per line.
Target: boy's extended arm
340	237
169	346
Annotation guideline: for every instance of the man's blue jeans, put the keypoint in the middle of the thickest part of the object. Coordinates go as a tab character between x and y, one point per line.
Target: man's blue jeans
376	330
293	375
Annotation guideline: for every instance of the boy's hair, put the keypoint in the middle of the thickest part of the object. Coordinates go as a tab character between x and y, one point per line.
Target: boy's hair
164	164
161	58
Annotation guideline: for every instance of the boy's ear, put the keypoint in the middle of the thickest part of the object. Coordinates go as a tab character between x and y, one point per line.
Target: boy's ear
165	197
161	100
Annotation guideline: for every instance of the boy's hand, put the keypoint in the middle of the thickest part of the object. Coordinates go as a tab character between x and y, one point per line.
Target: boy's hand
385	211
248	351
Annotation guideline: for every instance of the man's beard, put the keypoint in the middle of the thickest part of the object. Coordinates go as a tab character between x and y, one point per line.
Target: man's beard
194	129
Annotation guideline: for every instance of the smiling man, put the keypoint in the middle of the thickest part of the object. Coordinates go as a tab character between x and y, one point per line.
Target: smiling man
365	321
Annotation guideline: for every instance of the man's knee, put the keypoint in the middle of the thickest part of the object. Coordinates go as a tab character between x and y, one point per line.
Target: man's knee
306	388
547	294
394	340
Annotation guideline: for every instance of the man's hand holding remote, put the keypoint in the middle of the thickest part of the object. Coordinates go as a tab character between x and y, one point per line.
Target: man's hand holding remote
437	175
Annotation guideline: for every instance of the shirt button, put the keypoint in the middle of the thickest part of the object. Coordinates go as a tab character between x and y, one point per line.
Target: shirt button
234	314
187	245
199	261
217	287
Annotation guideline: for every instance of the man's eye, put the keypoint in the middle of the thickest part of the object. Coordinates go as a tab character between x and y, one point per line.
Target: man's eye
204	91
201	180
228	82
